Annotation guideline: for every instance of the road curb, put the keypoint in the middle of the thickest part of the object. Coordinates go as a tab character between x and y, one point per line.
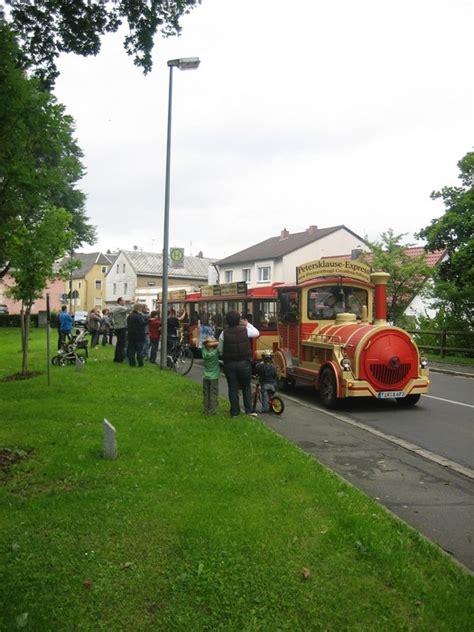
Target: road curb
451	372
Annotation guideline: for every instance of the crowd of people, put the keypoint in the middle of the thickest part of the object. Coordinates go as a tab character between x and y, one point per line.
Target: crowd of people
137	333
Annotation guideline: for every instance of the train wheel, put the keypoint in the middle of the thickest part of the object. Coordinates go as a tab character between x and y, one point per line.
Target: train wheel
328	389
409	400
278	405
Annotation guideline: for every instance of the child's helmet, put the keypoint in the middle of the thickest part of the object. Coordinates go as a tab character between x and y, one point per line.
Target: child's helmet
267	356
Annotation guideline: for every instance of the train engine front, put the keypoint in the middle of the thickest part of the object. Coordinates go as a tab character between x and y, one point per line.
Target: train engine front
348	356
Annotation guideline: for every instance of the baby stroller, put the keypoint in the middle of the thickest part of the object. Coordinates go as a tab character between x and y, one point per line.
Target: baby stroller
69	353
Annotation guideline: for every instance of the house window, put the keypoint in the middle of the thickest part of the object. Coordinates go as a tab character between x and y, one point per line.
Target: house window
79	285
264	274
125	288
104	269
98	285
123	267
115	289
246	275
118	268
228	276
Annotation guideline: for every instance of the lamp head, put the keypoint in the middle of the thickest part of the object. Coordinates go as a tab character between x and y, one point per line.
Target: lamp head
185	63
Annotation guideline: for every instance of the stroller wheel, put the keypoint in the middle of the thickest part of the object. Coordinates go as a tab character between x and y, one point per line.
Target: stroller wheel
58	361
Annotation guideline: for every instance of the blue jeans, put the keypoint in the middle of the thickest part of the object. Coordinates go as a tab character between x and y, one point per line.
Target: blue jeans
267	390
239	374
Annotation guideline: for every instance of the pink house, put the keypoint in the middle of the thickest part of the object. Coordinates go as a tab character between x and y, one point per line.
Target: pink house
55	289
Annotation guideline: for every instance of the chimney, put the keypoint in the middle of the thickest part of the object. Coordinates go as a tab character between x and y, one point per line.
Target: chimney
380	280
311	230
284	234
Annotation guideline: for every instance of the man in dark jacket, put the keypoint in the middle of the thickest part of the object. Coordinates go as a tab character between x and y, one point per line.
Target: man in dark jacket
234	345
136	335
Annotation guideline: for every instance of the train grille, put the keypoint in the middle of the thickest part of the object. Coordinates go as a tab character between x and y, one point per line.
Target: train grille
389	375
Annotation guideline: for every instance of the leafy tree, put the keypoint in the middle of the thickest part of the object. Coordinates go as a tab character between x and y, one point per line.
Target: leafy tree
42	212
39	158
46	28
454	231
33	249
408	274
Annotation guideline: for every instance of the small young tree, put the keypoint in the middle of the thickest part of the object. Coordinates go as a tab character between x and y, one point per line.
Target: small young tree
408	274
32	253
454	231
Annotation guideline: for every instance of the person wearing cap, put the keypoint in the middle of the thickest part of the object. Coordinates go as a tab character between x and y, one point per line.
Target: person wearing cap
210	381
267	374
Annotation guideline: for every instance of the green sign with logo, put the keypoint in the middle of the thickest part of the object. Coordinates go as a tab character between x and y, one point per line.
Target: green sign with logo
177	257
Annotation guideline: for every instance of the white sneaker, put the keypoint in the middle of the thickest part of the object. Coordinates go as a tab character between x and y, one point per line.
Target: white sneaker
252	415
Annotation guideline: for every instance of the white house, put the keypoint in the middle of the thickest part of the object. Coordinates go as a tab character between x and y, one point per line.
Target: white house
275	259
138	275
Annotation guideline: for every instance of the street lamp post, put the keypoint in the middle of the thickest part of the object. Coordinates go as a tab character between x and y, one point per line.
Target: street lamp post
185	63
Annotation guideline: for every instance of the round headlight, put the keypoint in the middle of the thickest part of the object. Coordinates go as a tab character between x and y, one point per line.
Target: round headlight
346	364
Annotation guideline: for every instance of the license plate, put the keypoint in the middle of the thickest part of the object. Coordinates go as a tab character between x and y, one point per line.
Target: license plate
390	394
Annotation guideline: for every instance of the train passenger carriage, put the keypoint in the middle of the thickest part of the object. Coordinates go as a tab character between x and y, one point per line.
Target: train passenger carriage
209	306
333	334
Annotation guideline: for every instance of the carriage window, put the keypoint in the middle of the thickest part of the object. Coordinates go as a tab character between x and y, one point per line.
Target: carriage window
326	302
288	307
265	315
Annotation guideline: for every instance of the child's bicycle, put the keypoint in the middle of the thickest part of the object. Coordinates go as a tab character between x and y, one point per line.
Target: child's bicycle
277	405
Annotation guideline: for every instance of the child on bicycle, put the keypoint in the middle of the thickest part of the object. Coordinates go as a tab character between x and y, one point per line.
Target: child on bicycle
267	375
210	383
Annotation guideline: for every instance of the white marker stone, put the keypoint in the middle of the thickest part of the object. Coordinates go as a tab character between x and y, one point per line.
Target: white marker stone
110	441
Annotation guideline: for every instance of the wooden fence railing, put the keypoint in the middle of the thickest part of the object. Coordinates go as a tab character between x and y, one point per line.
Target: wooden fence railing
442	347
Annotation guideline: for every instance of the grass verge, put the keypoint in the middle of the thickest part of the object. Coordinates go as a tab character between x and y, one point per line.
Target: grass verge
201	524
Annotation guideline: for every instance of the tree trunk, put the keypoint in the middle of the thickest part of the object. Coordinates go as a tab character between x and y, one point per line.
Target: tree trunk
25	334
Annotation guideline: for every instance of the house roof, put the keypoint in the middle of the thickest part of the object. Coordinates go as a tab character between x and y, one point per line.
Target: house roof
432	258
283	244
87	260
151	264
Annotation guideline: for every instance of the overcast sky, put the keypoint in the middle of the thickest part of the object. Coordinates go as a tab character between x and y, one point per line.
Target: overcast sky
302	112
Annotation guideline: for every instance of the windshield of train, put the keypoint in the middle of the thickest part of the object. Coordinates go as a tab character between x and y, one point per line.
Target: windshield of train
326	302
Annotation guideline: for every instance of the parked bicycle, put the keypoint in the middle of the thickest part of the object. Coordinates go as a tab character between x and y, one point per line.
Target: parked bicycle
277	405
181	358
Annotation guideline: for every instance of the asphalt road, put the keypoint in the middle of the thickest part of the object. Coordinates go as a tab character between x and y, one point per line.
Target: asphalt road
442	422
406	458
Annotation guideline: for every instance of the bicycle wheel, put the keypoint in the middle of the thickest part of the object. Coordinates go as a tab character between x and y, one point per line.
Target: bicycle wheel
277	405
184	361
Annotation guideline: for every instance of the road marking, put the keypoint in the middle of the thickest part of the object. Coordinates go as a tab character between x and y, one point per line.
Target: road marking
450	401
411	447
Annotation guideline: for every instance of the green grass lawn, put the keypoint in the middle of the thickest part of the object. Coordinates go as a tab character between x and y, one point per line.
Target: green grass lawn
200	524
450	359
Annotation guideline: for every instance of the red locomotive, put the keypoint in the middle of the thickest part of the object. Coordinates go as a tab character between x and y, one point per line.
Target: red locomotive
326	338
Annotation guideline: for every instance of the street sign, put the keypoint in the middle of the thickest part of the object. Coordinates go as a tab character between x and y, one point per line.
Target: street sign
177	257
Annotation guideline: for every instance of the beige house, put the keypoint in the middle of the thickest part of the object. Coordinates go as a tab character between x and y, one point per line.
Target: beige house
275	259
87	283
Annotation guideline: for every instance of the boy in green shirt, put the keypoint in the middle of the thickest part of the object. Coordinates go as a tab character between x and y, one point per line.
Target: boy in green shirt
210	383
